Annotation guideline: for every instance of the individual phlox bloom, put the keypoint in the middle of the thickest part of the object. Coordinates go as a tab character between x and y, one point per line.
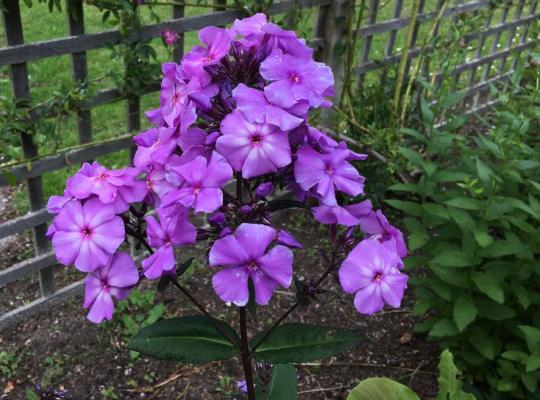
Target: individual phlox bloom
87	234
326	172
157	185
371	270
154	146
163	236
343	215
250	29
170	37
94	179
244	256
324	142
295	79
216	41
114	279
255	149
376	224
202	185
256	108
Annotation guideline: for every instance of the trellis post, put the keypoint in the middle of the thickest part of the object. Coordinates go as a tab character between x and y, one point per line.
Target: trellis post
21	93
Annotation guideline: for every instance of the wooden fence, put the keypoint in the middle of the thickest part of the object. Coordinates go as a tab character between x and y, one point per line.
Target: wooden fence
328	36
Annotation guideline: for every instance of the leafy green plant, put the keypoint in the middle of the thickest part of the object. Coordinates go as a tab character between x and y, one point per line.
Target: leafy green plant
388	389
137	311
473	214
8	364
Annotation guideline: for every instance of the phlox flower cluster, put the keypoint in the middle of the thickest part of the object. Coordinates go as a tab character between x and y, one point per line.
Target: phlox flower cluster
234	109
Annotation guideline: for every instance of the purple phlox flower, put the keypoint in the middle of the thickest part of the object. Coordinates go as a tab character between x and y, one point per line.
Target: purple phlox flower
244	256
371	270
157	185
326	171
287	41
202	185
155	116
343	215
287	239
242	386
255	149
96	179
256	108
295	79
169	232
324	142
250	29
56	203
87	234
264	189
376	225
216	41
170	37
154	146
197	142
114	279
216	219
175	99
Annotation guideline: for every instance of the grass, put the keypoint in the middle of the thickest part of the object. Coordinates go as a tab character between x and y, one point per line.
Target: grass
51	74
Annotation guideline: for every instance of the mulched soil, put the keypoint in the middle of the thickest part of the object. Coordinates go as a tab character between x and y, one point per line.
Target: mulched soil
62	349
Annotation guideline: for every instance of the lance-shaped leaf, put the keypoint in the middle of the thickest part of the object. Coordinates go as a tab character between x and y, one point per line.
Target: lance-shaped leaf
282	385
292	343
190	339
381	388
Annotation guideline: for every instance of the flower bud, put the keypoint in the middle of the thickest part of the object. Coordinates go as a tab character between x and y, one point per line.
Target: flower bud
264	189
286	239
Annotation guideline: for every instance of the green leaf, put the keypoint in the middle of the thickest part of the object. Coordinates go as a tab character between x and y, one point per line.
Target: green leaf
283	204
303	342
418	235
452	99
484	172
404	187
462	218
465	203
414	133
381	388
31	395
448	372
482	343
412	156
443	328
465	312
483	238
453	258
409	207
522	295
533	362
532	336
190	339
487	285
427	114
282	384
530	380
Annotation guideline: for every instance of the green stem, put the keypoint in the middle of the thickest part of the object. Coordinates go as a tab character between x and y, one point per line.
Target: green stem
245	354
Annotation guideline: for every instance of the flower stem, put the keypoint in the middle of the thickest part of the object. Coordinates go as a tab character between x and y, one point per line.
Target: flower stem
297	303
201	308
244	353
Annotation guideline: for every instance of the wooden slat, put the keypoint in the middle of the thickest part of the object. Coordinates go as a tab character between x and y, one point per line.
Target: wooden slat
24	222
368	40
34	51
39	305
27	267
65	158
525	33
75	17
398	23
389	47
178	52
21	91
512	33
373	65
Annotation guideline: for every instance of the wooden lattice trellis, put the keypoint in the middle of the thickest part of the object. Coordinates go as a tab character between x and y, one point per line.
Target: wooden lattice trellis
329	34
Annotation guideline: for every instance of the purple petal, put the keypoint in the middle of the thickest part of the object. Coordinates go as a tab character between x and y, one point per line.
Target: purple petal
227	252
277	264
161	260
102	308
122	271
369	300
264	287
231	285
255	238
